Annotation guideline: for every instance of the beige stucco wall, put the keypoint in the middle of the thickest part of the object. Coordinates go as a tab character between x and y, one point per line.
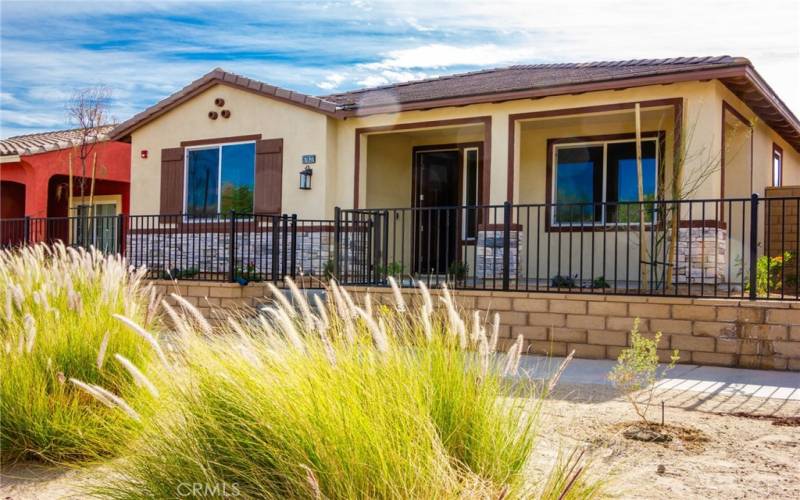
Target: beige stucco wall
303	132
333	141
763	138
702	111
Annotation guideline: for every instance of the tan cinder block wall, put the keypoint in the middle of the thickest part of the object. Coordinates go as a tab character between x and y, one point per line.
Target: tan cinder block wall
758	334
213	299
722	332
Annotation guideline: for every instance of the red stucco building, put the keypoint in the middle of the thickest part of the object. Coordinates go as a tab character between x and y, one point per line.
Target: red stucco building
34	181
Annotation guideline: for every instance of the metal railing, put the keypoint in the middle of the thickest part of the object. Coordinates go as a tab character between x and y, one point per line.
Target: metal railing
680	248
725	248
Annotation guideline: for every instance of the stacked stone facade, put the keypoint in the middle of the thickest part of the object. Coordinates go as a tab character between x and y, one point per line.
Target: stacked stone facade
702	256
490	248
209	252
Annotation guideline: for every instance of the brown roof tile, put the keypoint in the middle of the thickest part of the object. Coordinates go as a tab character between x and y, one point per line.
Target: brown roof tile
48	141
215	76
523	77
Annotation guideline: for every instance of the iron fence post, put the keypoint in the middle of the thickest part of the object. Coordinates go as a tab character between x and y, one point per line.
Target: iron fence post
120	235
232	249
506	244
26	231
753	245
276	220
293	251
337	236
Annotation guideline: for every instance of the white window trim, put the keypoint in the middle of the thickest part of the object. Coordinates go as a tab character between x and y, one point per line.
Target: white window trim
572	145
218	146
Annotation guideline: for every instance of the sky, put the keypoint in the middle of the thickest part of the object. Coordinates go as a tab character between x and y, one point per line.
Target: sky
144	51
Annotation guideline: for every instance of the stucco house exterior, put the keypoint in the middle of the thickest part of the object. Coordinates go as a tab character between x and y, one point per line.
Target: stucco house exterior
538	137
34	181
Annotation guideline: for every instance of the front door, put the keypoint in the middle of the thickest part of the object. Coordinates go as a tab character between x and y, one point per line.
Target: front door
437	187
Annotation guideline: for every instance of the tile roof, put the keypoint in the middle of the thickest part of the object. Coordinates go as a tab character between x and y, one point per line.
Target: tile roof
215	76
29	144
524	77
502	84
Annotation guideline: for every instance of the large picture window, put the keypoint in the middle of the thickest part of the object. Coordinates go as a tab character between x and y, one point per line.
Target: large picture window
593	180
220	179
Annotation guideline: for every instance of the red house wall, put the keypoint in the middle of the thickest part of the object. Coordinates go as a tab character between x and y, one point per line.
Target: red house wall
36	171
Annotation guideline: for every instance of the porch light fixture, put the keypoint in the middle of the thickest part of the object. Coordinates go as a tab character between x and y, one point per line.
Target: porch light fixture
305	178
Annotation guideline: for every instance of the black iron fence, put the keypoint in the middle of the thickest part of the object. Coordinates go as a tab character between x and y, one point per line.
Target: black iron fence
706	248
711	248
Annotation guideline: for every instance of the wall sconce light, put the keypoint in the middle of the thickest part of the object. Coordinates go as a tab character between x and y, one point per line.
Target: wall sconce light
305	178
143	154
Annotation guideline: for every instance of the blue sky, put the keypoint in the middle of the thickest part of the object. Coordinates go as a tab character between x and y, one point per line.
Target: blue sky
144	51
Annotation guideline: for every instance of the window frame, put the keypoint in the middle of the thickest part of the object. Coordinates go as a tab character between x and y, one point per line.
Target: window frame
464	154
777	153
187	217
553	145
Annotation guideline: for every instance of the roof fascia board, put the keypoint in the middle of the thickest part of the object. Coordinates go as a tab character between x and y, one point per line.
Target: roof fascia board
613	84
293	99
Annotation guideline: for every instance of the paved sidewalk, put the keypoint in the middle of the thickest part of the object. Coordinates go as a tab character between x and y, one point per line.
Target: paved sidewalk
778	385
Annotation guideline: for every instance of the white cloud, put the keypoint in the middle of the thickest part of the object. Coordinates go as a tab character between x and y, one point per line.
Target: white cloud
331	81
437	55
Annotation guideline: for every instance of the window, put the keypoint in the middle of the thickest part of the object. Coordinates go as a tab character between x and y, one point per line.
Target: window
777	165
220	179
593	180
470	190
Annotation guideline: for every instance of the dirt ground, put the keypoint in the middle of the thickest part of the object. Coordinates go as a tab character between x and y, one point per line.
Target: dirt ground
743	458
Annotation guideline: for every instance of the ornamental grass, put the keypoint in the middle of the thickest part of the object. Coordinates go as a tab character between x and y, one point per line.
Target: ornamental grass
338	398
58	338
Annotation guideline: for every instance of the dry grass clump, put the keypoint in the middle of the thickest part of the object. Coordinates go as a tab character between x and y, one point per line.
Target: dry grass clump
59	338
341	399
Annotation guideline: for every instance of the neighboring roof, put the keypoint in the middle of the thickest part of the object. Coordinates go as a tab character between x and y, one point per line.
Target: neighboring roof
514	82
220	76
30	144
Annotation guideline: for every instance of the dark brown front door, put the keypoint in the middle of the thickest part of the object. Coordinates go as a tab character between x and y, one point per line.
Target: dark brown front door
437	194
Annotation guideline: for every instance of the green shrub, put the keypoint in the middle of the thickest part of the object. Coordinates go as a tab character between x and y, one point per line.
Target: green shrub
769	274
637	370
347	401
58	305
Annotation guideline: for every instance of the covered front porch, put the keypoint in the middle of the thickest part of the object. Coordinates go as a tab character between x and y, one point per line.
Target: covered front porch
574	216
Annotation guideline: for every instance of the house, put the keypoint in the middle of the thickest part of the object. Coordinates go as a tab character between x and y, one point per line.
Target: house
490	174
34	182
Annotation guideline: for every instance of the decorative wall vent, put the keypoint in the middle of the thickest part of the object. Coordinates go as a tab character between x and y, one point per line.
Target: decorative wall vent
213	115
226	113
219	101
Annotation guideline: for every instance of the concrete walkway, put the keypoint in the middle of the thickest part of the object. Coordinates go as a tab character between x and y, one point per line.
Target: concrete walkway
777	385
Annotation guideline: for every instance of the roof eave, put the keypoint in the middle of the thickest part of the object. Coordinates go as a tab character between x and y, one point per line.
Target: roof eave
218	77
10	159
540	92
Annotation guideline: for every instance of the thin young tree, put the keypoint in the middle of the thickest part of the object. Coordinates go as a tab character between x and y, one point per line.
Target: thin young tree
88	110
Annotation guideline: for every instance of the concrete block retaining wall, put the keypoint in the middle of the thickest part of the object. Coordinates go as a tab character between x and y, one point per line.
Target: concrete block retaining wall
722	332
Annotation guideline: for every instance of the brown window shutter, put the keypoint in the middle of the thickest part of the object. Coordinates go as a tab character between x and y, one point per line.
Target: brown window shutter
171	181
269	174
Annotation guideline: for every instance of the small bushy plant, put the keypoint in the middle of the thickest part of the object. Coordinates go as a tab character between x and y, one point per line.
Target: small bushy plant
637	369
57	325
